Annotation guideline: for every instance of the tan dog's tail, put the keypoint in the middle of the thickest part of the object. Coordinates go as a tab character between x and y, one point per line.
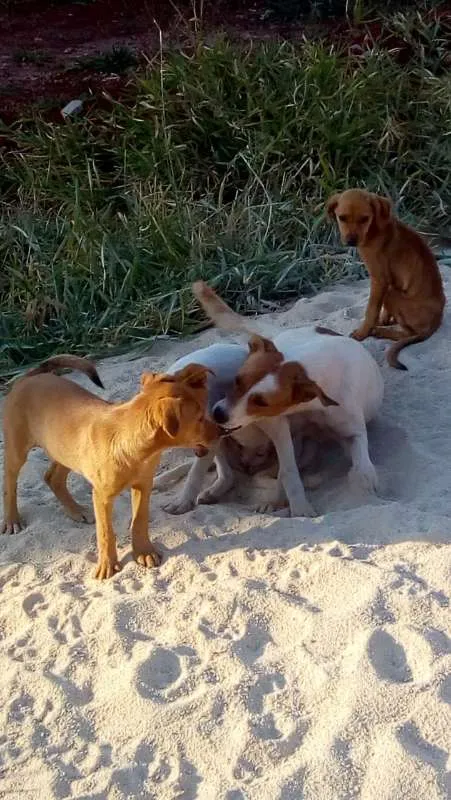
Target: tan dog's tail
218	311
392	352
67	362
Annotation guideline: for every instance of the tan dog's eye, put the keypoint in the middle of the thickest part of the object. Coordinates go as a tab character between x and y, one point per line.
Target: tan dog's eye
342	217
362	220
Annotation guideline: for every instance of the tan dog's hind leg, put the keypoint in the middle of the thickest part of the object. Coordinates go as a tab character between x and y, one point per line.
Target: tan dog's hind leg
14	461
385	317
108	563
393	332
143	550
56	479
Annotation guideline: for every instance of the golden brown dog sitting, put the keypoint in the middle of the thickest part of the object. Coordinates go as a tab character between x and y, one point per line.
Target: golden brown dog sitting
114	446
406	296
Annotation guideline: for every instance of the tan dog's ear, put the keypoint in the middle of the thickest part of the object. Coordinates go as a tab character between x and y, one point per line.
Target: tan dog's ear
303	389
168	414
332	204
194	375
258	344
382	209
149	378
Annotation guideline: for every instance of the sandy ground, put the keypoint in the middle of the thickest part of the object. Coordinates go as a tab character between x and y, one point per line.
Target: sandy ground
266	658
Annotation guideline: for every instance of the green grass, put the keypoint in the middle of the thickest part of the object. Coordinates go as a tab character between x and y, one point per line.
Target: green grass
218	169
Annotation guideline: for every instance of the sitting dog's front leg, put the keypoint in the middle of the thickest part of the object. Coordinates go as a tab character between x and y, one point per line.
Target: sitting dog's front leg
278	430
375	302
108	562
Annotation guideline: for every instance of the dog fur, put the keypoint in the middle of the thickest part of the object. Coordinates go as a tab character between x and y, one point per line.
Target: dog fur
330	382
114	446
247	450
406	299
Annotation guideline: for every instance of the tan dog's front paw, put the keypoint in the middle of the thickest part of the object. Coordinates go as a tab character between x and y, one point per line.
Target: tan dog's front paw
106	568
149	559
10	527
360	334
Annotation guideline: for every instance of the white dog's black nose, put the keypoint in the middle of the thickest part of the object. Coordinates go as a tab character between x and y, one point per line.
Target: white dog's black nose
220	414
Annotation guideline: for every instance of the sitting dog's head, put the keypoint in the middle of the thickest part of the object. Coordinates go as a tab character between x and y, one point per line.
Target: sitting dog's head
360	215
177	406
267	386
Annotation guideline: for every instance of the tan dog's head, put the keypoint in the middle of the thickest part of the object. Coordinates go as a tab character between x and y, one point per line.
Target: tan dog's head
361	216
267	386
177	406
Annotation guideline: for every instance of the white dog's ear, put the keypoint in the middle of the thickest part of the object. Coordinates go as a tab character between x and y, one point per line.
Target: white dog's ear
332	204
382	210
303	389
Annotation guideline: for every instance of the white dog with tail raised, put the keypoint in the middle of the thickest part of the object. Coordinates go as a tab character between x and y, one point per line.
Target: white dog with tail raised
306	378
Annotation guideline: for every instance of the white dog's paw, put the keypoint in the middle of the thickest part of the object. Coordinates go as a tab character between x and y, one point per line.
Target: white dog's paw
304	509
364	478
180	506
208	498
273	508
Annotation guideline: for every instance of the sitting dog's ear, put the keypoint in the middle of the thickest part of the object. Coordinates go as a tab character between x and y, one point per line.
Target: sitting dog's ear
168	414
382	209
258	344
303	389
332	204
194	375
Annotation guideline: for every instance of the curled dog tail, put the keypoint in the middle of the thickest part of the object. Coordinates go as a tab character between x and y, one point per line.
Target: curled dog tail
392	352
67	362
219	312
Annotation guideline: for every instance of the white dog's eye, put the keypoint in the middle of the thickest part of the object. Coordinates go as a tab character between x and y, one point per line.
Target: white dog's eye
259	400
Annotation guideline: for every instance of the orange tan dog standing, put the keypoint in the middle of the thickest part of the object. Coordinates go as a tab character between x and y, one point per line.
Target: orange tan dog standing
406	295
114	446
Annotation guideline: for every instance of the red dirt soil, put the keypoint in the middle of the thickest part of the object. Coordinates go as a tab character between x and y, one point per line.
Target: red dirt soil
41	42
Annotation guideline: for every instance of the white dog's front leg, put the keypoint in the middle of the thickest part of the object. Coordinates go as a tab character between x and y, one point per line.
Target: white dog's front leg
224	481
278	430
193	485
362	474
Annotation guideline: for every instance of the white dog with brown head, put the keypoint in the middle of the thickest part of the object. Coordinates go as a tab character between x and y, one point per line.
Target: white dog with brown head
303	377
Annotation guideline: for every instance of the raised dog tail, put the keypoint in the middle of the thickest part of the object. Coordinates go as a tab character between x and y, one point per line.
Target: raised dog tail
67	362
219	312
392	352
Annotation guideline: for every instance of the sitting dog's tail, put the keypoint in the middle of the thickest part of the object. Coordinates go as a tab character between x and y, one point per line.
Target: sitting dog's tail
219	312
392	352
67	362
